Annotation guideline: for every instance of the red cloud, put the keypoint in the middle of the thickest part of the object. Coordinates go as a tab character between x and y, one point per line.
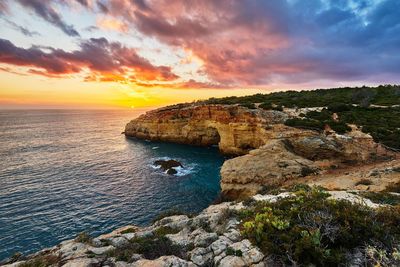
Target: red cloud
107	61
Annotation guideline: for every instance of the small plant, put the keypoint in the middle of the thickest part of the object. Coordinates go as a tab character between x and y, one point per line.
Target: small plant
165	230
232	252
42	261
394	187
382	197
364	182
129	230
83	237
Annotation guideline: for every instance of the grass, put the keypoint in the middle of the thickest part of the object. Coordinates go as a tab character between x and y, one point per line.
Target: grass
310	229
382	197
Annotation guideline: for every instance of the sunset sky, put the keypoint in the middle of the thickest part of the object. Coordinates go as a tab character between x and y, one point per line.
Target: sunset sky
146	53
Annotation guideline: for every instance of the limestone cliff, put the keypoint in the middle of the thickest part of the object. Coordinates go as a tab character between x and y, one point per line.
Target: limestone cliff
270	153
236	130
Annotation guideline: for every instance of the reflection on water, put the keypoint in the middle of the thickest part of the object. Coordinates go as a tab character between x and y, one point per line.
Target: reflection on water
63	172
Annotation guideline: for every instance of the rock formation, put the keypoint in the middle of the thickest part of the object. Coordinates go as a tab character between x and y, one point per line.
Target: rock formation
211	238
269	152
168	166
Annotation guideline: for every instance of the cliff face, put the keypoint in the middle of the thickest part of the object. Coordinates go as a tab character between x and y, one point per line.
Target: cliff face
269	153
236	130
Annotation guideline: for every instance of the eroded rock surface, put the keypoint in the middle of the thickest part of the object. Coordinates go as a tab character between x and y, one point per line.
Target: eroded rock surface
212	238
269	153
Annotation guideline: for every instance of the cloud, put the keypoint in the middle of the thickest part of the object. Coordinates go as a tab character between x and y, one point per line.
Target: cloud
252	42
106	61
44	9
21	29
240	43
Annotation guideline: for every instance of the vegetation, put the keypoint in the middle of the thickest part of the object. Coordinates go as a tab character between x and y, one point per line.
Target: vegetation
151	247
364	181
83	238
394	187
129	230
42	261
382	123
364	96
310	229
382	197
353	106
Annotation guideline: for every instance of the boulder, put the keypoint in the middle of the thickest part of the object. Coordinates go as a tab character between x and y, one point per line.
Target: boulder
168	165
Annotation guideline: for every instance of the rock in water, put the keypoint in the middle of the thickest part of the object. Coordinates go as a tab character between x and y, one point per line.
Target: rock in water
168	165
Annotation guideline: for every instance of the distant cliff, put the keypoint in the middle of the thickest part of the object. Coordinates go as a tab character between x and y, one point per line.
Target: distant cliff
269	152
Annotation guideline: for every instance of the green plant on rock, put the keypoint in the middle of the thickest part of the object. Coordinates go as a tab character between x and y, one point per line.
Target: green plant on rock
310	229
83	237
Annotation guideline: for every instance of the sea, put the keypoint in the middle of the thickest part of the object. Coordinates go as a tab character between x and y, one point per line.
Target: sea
63	172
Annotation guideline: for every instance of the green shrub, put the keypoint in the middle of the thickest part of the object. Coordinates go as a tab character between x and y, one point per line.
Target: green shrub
232	252
248	105
310	229
382	197
129	230
83	237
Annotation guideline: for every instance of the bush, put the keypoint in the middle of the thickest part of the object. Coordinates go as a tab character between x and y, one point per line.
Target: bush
83	238
151	247
310	229
382	197
364	182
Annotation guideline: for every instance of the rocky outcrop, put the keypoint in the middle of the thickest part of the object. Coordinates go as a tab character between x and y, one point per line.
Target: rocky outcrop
270	165
168	166
236	130
270	153
212	238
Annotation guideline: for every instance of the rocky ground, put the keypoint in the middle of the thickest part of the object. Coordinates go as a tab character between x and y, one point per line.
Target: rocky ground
211	238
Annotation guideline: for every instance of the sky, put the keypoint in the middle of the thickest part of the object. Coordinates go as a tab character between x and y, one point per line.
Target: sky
148	53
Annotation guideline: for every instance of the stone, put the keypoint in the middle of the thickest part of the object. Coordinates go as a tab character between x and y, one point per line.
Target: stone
100	250
82	262
220	245
253	256
201	256
119	241
71	249
168	165
205	239
164	261
182	238
232	261
233	235
246	175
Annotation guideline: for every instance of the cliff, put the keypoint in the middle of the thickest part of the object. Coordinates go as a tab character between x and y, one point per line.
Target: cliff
269	153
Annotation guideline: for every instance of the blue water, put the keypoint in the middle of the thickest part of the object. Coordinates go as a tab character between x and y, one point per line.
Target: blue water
63	172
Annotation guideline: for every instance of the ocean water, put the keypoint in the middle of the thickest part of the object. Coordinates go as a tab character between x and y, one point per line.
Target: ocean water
67	171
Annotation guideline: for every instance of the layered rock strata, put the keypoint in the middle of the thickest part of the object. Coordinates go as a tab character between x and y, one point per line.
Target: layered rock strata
269	153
